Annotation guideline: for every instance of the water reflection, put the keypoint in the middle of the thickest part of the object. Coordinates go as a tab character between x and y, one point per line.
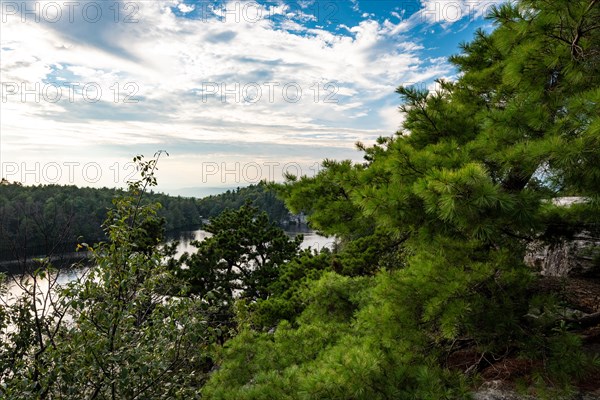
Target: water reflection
185	239
15	282
17	285
311	239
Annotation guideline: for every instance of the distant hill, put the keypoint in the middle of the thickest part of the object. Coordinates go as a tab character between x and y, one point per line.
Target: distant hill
43	219
200	192
261	196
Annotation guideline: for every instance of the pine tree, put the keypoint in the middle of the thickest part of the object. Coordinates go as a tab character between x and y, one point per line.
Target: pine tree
464	187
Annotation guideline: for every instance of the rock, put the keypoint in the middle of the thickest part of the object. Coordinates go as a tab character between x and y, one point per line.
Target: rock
580	295
495	394
568	201
495	390
577	257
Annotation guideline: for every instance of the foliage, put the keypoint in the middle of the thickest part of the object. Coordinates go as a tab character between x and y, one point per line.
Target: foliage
327	355
239	261
113	334
459	192
50	219
368	254
327	200
287	291
261	196
433	227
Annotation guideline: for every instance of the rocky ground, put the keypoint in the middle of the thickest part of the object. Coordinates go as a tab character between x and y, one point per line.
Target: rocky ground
571	272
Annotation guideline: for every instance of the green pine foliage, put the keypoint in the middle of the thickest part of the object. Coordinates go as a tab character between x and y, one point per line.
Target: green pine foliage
243	254
434	225
327	200
239	262
287	297
432	230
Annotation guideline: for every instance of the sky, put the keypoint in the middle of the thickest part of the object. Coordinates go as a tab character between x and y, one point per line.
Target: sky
235	91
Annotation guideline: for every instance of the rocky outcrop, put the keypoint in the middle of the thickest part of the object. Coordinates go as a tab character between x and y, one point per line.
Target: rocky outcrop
570	270
579	256
497	390
499	394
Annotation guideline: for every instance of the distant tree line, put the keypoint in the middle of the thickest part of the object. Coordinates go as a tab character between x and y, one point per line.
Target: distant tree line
261	196
51	219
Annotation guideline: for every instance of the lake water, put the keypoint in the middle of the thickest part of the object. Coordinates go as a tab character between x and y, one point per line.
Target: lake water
311	239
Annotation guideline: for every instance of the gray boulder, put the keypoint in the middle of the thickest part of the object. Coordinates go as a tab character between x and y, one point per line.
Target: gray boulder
577	257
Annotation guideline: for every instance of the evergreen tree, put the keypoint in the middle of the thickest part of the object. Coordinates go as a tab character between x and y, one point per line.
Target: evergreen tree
463	188
261	196
240	260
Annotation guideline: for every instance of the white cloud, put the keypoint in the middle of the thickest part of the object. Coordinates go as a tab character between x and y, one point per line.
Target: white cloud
186	8
392	118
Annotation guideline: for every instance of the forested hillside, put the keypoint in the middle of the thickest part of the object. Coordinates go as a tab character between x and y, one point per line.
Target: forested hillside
44	219
259	195
52	218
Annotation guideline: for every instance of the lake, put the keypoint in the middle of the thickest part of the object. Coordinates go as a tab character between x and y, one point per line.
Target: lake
311	239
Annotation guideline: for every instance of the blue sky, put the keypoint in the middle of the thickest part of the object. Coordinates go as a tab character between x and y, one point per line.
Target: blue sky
235	91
